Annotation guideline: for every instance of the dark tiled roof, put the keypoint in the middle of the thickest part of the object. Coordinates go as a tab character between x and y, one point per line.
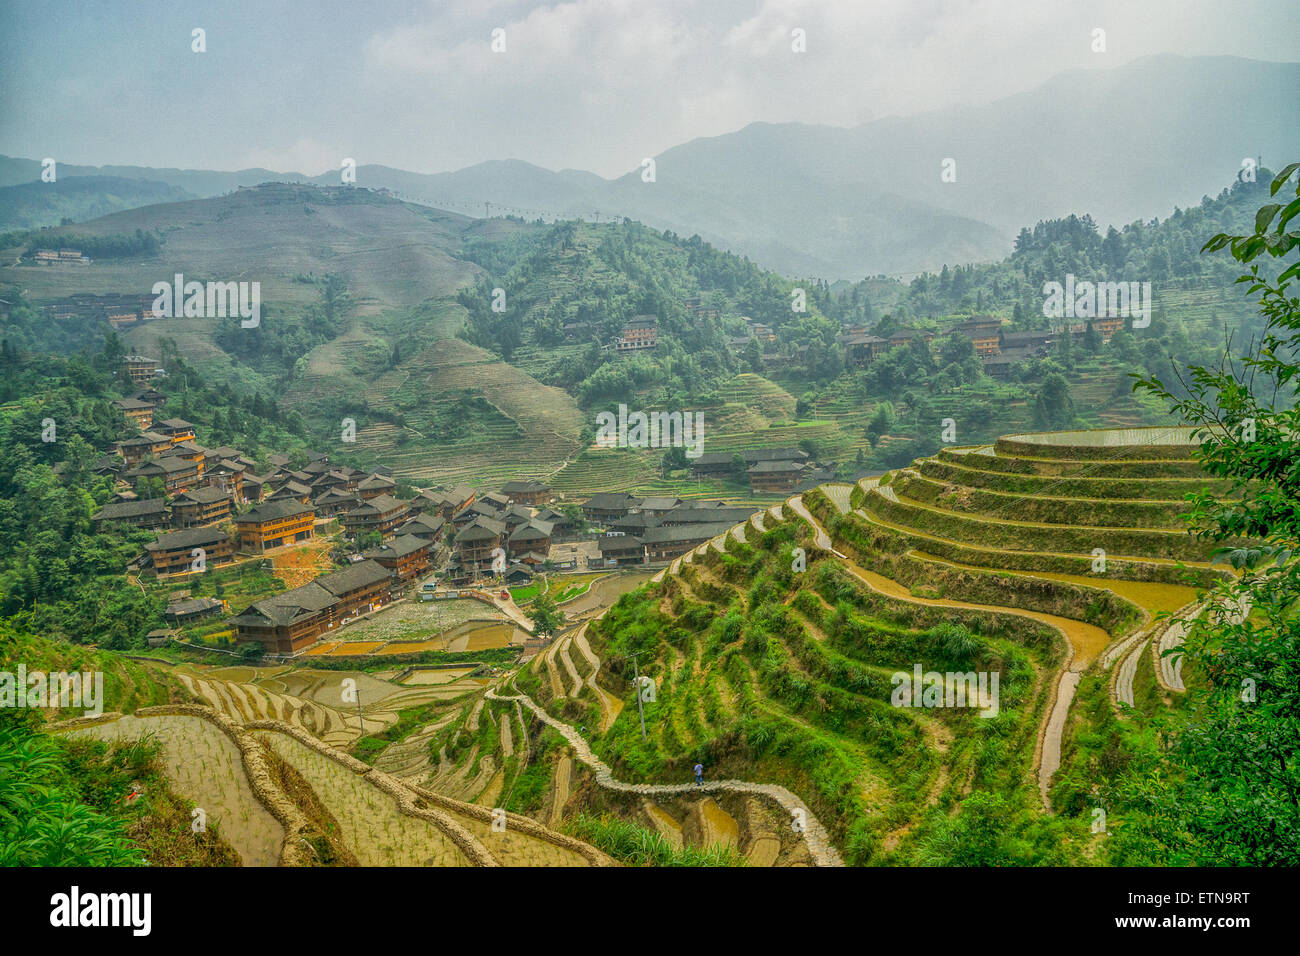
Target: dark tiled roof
361	574
204	496
400	547
193	606
694	532
118	510
272	510
423	522
611	500
288	606
775	467
520	487
752	456
481	528
190	538
146	438
659	503
532	530
380	504
618	542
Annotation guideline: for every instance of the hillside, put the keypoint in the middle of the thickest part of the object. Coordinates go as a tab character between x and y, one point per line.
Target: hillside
770	669
381	310
78	198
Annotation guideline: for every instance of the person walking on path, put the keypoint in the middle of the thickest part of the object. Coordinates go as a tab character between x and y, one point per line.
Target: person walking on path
699	775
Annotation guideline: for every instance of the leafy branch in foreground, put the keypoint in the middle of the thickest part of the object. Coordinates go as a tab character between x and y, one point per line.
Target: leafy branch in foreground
1227	791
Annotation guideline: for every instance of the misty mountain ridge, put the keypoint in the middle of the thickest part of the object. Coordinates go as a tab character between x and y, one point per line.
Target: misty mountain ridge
813	200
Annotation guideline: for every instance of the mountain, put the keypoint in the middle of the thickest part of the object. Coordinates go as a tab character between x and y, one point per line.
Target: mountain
78	198
807	200
200	182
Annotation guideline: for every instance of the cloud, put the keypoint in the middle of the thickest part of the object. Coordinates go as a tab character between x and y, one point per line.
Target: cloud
589	84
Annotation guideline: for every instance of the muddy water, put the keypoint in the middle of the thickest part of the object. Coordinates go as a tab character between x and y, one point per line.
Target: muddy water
1087	640
664	822
1051	758
605	592
483	638
205	766
440	676
1150	595
716	824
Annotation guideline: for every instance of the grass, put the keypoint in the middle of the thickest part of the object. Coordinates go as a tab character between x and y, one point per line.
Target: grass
636	845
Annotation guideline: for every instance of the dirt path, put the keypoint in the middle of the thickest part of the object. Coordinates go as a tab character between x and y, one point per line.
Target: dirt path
823	852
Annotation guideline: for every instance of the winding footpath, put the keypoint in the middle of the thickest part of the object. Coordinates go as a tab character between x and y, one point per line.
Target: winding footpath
821	849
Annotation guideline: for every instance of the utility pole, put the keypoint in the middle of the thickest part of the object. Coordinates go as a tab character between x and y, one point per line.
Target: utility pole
636	683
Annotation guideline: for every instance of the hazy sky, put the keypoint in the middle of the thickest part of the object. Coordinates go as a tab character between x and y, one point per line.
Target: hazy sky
589	84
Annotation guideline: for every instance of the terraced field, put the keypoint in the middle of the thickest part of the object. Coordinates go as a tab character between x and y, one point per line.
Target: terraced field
539	423
777	669
986	557
312	701
282	795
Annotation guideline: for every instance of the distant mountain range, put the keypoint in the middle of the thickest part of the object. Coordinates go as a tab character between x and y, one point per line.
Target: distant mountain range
808	200
77	198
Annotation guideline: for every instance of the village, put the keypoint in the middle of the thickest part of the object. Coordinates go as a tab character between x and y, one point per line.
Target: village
216	507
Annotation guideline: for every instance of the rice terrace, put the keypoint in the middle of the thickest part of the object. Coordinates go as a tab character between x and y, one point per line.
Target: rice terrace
778	678
650	439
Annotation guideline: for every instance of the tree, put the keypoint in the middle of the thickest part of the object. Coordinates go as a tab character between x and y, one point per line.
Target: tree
546	617
674	460
1091	339
955	348
1065	349
250	652
1053	407
1124	346
882	420
1227	790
